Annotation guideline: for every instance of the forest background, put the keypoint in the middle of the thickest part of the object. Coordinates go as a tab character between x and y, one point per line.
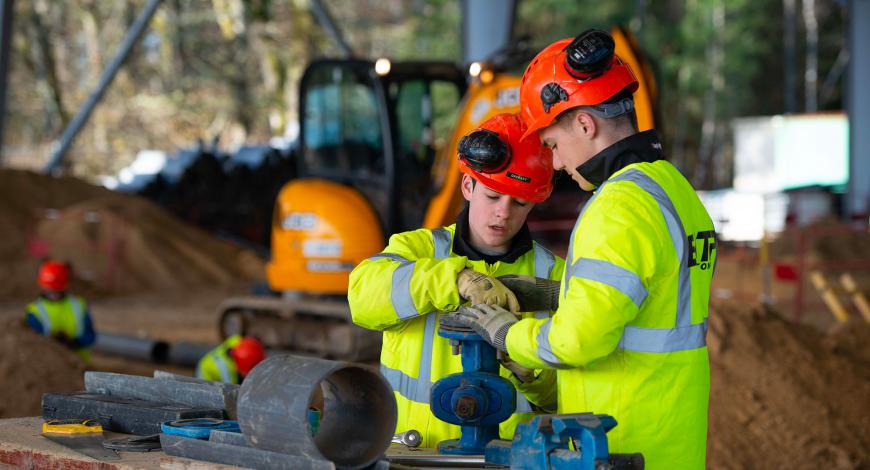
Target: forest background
229	69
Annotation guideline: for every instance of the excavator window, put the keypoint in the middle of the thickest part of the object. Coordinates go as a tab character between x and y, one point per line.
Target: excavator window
342	135
422	107
379	133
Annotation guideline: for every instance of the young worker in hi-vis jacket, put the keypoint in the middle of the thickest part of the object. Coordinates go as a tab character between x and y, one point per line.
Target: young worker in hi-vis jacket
420	274
629	336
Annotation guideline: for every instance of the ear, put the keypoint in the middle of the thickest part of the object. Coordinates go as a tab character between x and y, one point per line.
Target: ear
467	186
585	123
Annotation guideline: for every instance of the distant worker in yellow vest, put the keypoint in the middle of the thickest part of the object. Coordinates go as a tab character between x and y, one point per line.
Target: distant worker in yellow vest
232	360
420	274
629	336
60	315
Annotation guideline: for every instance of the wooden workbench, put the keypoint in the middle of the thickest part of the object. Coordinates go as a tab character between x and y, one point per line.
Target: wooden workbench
22	446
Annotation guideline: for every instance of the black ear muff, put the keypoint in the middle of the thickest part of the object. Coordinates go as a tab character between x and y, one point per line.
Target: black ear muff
589	54
484	151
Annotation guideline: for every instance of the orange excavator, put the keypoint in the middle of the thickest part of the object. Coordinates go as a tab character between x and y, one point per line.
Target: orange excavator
376	157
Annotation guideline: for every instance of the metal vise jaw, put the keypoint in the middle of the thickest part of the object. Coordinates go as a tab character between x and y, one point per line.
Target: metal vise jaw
476	399
562	442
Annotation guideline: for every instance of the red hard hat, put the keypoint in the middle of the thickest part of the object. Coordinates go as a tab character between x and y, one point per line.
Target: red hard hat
495	155
53	275
582	71
247	353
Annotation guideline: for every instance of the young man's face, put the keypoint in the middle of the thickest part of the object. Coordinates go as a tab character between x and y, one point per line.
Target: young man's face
571	148
494	218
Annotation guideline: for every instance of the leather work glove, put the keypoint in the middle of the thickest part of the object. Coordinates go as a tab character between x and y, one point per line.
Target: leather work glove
482	289
533	293
491	322
523	374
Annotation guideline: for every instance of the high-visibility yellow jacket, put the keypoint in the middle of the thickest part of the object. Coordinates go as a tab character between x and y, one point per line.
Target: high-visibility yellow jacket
629	337
217	365
69	317
404	289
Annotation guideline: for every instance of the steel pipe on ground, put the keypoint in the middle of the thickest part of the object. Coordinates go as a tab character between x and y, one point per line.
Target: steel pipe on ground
358	410
133	347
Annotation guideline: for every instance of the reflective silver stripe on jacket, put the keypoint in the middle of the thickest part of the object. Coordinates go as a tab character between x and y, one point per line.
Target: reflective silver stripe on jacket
545	351
418	389
544	262
79	312
400	290
684	335
614	276
44	318
224	368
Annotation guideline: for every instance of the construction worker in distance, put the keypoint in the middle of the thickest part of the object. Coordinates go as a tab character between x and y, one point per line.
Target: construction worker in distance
403	290
232	360
62	316
629	336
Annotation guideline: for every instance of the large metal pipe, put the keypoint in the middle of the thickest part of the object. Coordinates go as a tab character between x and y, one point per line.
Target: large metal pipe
73	128
358	414
187	354
133	347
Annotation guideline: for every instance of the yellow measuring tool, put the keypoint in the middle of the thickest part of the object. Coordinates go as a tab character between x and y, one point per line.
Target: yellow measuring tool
72	426
84	436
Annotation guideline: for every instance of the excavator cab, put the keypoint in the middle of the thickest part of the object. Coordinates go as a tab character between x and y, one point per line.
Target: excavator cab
369	134
376	127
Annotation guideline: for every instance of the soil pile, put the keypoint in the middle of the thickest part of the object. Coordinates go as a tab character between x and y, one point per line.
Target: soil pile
786	395
823	241
31	365
116	243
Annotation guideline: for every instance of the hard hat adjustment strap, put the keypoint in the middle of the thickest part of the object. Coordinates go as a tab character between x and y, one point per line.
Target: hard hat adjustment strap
612	110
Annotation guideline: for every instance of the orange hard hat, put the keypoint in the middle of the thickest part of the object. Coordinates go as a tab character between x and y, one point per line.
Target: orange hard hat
582	71
247	353
53	275
496	155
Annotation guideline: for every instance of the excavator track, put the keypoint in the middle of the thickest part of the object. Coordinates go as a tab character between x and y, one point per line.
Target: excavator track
319	327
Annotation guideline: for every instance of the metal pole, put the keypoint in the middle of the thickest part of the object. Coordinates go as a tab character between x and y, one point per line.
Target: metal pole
81	118
789	34
6	13
487	26
858	105
328	23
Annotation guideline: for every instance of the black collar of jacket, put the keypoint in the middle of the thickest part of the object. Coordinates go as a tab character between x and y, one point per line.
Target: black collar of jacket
636	148
520	245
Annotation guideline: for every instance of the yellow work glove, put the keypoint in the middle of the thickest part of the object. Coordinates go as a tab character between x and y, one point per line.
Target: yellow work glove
482	289
523	374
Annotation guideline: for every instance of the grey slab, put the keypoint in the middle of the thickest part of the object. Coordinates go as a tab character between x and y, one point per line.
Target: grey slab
199	394
218	452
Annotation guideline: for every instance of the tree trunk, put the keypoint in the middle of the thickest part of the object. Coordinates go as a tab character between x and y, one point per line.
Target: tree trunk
46	70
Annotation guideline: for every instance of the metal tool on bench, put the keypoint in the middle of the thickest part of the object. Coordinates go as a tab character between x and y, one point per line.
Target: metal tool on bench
562	442
134	443
410	438
84	436
198	428
476	399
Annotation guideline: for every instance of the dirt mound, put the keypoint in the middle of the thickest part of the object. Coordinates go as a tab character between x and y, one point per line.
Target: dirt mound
785	395
828	240
115	242
31	365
